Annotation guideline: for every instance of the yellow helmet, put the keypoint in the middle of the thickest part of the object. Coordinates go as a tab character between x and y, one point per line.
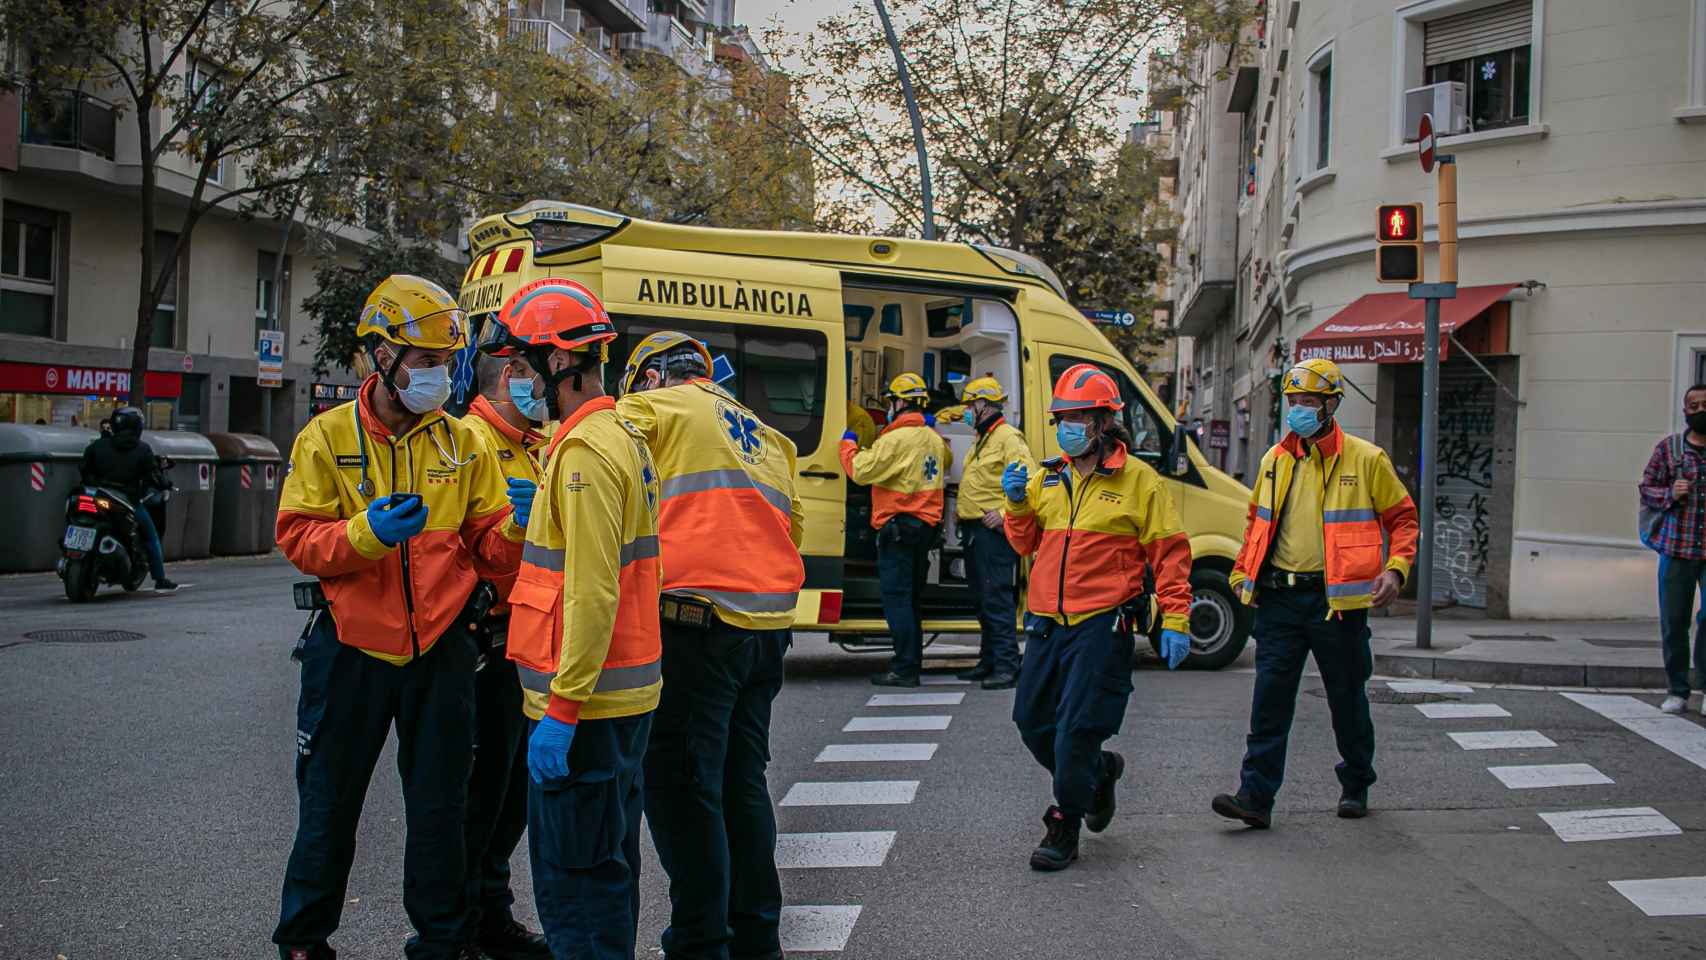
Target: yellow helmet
413	311
909	386
665	346
985	387
1319	375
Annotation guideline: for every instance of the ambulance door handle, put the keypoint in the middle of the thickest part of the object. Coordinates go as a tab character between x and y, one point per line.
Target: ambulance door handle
820	474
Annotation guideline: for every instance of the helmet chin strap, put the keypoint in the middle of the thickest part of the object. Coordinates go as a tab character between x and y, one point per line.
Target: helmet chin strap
540	359
388	375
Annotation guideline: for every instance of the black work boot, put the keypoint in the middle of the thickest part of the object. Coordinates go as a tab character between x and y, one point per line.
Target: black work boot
1241	807
1102	814
503	938
976	673
892	679
1353	804
1001	681
1060	843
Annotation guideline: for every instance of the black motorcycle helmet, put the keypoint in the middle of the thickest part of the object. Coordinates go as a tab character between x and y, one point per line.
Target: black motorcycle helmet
127	427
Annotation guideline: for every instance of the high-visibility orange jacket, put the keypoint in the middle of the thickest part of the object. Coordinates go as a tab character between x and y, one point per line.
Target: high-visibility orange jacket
730	521
518	453
583	627
1094	536
1363	497
980	481
906	470
394	602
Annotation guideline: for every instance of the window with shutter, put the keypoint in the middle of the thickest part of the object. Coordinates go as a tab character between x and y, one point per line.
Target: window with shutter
1487	30
1488	51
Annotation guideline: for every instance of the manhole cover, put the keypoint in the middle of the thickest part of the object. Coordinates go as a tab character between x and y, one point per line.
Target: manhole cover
1622	643
83	636
1388	695
1528	637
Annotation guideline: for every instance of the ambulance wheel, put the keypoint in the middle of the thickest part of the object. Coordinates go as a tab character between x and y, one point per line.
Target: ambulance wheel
1220	625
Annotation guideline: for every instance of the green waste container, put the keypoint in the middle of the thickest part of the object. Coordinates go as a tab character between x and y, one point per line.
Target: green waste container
38	470
245	493
187	533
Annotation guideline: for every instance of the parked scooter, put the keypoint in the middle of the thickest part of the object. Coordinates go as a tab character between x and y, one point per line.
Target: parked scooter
102	542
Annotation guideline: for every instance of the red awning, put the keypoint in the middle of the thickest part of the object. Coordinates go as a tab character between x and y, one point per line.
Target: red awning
1387	327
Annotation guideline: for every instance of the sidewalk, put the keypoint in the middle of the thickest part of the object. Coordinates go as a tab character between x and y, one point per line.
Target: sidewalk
1563	653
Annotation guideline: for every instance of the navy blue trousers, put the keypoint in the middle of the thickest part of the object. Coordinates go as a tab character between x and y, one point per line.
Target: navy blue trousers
990	564
707	801
583	836
497	789
1072	695
1680	581
349	703
903	560
1290	626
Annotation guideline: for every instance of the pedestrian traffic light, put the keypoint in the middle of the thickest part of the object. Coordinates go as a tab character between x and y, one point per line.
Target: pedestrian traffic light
1398	251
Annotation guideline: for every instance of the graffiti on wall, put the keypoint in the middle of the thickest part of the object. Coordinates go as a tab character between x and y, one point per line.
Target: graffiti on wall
1462	526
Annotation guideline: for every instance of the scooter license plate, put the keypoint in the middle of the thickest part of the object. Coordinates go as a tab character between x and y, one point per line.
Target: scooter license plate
79	538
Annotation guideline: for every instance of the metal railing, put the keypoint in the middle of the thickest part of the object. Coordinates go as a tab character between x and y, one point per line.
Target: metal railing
69	118
667	37
548	36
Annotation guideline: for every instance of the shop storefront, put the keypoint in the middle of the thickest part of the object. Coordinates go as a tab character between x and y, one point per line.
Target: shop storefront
325	396
78	396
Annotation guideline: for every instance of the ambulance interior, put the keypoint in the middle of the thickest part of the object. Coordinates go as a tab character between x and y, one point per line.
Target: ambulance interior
947	337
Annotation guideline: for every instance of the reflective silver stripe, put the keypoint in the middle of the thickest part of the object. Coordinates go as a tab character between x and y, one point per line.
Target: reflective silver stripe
641	548
736	602
534	680
1264	513
724	480
1348	516
1359	589
629	678
542	557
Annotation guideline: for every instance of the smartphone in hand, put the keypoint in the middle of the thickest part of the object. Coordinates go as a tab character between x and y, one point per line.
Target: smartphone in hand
404	502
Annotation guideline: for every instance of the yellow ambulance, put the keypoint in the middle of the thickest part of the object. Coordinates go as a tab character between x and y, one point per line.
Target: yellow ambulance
808	323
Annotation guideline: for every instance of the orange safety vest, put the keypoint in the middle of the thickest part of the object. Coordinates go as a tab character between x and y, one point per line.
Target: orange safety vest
726	479
1094	536
1362	499
584	616
906	469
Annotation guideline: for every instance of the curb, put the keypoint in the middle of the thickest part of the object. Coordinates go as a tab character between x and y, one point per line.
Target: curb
1527	674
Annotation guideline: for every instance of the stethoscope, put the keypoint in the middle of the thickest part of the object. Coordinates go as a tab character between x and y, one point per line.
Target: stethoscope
454	457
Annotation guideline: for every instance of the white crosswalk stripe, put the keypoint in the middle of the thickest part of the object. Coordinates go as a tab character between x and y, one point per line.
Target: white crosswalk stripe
916	699
1531	777
1462	711
1666	897
1502	740
817	929
805	851
851	793
875	752
895	724
1428	686
1622	823
1676	734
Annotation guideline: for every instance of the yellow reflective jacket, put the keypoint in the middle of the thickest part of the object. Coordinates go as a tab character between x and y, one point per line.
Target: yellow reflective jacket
730	521
861	423
584	619
906	470
518	453
980	482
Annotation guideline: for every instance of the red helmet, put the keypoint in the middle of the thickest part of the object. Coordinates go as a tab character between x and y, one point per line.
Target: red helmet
551	312
1084	387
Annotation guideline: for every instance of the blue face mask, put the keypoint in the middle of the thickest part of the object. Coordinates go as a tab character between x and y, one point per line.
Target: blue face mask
428	388
970	418
1303	421
1074	437
531	407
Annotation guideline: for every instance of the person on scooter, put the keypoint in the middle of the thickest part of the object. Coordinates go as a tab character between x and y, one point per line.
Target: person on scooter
121	461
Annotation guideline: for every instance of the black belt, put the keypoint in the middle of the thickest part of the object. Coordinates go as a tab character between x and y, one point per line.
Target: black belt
1273	579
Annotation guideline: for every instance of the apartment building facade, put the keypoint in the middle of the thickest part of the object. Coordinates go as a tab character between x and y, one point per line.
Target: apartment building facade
1581	315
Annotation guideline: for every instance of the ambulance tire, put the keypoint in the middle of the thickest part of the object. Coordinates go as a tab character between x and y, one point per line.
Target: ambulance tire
1220	625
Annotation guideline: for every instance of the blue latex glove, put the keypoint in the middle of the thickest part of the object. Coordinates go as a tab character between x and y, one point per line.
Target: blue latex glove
393	525
929	419
548	750
850	435
521	493
1014	480
1175	646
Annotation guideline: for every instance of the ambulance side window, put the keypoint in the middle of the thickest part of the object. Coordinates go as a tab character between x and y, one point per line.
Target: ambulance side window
781	374
1148	436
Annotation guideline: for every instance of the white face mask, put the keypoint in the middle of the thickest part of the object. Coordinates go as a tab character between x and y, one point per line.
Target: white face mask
428	388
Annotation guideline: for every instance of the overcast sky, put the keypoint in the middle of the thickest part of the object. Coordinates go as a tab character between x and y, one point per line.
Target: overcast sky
797	16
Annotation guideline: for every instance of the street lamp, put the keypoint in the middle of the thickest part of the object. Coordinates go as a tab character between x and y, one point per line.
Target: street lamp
917	121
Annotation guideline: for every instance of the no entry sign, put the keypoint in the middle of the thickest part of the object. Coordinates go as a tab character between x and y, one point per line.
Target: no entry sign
1425	142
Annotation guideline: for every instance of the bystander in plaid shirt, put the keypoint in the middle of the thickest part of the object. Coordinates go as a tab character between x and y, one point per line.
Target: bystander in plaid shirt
1683	533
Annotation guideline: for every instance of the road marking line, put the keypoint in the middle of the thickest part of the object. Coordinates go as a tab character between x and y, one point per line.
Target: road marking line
1621	823
943	681
1675	734
1462	711
916	699
1502	740
805	851
1530	777
875	752
851	793
895	724
1666	897
1428	686
820	929
951	650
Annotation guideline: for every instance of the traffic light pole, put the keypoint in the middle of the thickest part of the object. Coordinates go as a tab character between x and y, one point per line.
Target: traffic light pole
1432	294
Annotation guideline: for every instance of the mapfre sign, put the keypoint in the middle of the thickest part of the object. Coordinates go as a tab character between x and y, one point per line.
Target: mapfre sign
86	381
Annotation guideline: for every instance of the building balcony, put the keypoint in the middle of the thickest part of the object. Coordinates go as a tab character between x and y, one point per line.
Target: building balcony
665	36
70	119
562	39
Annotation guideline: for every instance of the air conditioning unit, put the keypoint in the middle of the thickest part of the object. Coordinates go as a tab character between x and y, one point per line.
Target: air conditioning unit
1448	102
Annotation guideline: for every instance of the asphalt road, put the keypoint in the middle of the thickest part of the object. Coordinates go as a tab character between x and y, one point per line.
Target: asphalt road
147	805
